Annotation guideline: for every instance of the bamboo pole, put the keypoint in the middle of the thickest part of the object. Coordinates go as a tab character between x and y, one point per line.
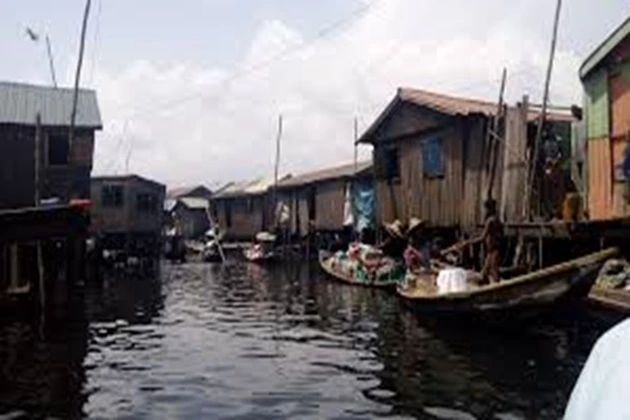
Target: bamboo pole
77	77
51	62
535	155
494	143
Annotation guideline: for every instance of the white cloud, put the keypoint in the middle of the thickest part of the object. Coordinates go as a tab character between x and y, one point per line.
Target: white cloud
188	124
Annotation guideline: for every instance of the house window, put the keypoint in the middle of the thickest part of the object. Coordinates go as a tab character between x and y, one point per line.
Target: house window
250	205
390	165
112	196
146	203
58	149
433	158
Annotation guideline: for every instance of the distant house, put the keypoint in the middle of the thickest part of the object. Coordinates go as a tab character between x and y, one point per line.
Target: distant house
65	168
325	197
191	215
432	158
243	209
605	76
127	210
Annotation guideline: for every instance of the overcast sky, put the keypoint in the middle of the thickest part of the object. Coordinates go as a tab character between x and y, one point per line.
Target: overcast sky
190	90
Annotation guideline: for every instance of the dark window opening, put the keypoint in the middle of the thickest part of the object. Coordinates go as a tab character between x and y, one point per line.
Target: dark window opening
250	205
312	213
58	149
146	203
433	158
391	163
112	196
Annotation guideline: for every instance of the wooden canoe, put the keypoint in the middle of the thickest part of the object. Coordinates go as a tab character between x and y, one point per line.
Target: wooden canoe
535	290
326	261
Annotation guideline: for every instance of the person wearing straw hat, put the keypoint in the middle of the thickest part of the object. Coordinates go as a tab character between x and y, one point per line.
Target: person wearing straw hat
416	254
394	243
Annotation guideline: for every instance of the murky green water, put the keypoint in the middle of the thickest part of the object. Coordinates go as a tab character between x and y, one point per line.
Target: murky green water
242	341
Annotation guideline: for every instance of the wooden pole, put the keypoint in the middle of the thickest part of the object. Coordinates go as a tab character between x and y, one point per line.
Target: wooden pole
533	167
493	142
353	208
40	263
51	62
77	77
276	169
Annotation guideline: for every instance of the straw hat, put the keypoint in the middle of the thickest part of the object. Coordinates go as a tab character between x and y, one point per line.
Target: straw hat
395	228
414	223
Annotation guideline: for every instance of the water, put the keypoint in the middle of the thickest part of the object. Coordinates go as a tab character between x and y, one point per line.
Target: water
242	341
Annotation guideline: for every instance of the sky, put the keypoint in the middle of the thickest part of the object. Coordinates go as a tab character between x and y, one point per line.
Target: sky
190	91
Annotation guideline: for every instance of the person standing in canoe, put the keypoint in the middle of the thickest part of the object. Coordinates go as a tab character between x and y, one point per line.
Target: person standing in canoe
417	254
491	238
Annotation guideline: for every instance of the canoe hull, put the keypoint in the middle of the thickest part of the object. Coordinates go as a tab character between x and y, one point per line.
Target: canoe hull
527	294
325	264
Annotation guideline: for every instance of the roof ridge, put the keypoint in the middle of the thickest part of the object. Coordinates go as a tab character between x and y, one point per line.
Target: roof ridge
447	96
44	87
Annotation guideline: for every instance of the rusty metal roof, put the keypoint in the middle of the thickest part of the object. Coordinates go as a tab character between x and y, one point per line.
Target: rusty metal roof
606	47
326	174
20	103
453	105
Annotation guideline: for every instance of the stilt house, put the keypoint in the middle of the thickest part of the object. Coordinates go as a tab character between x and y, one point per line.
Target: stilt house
606	79
432	158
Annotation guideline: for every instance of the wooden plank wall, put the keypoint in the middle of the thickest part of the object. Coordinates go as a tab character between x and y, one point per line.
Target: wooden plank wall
17	166
514	177
435	200
474	166
247	221
600	178
389	202
329	204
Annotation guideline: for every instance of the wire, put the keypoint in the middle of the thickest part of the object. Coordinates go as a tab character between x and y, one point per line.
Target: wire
266	62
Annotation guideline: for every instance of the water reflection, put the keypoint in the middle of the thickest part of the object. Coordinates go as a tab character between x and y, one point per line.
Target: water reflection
244	341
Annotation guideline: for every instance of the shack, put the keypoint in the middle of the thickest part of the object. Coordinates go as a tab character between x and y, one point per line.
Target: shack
243	209
605	76
191	215
433	153
42	201
328	199
64	168
126	213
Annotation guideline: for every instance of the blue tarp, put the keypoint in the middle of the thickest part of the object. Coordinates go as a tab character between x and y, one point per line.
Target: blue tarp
363	202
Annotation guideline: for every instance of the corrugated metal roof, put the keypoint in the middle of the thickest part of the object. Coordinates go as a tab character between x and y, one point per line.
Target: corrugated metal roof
187	191
251	187
195	203
20	103
452	105
343	171
605	48
169	205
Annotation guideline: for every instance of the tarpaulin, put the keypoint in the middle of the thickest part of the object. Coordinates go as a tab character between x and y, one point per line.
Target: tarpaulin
363	200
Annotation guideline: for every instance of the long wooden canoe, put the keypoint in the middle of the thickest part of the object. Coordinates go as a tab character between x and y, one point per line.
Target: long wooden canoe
535	290
327	262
